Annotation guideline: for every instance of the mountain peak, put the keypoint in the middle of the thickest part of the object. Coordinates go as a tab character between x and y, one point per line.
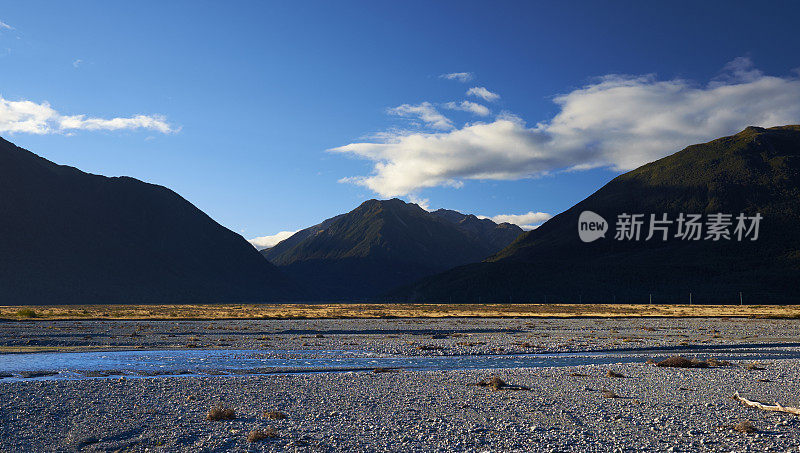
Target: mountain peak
385	243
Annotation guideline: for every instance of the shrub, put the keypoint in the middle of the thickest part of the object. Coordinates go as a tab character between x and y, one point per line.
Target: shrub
609	394
259	435
274	415
219	412
745	427
714	362
493	382
498	384
683	362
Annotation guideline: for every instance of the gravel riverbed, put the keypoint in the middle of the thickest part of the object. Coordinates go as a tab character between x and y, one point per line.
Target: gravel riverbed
562	409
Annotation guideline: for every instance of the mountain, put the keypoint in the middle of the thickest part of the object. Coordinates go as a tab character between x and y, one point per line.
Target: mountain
69	237
496	236
756	171
382	244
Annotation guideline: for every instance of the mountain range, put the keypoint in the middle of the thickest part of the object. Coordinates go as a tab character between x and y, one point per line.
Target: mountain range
71	237
755	172
383	244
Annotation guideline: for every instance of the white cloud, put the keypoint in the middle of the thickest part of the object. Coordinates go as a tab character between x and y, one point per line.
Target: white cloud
483	93
425	112
738	70
528	221
423	203
618	121
5	26
467	106
459	76
152	122
406	163
270	241
39	118
77	63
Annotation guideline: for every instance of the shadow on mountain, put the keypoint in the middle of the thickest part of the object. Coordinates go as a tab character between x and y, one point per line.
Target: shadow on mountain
755	171
69	237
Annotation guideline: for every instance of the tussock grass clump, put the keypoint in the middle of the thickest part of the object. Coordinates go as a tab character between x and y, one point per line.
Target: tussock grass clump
754	367
716	363
612	373
683	362
219	412
274	415
493	382
427	347
470	343
498	384
258	435
743	427
609	393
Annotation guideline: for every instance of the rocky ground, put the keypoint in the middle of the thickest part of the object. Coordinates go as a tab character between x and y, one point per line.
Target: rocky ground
414	336
576	408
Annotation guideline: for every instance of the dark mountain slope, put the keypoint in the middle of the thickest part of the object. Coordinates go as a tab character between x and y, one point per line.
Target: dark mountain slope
755	171
377	246
70	237
495	235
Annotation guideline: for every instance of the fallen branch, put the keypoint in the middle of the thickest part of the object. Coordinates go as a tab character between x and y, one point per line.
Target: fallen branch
776	408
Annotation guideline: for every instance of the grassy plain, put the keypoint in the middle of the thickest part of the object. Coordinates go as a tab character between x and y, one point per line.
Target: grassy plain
387	310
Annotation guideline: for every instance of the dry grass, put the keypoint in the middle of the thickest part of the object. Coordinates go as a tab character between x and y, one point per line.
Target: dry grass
683	362
498	384
220	412
744	427
27	313
754	367
274	415
609	394
257	435
426	347
717	363
388	310
493	382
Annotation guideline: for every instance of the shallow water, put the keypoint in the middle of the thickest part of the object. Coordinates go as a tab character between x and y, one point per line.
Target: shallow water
95	364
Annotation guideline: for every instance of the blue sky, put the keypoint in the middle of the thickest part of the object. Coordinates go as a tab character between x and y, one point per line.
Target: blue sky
272	116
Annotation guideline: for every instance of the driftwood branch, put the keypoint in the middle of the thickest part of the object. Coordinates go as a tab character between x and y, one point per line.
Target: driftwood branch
764	407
